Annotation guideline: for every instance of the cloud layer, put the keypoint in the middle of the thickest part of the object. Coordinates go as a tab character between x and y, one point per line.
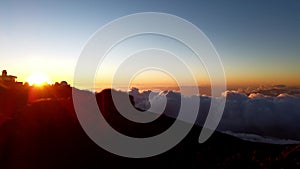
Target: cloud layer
255	113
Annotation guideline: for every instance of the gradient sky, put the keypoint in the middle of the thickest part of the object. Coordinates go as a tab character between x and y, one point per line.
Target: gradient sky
258	42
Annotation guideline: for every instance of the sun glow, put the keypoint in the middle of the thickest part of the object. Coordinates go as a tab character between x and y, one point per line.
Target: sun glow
38	78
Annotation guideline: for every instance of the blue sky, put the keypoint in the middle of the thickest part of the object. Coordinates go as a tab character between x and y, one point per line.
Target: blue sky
258	41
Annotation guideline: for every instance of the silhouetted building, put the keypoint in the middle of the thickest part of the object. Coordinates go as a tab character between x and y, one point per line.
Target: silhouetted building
64	83
8	80
61	84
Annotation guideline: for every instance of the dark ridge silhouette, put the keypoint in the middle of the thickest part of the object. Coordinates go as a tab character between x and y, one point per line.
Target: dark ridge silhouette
123	125
39	129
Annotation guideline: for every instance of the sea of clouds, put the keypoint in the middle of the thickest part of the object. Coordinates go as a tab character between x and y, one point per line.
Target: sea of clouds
254	113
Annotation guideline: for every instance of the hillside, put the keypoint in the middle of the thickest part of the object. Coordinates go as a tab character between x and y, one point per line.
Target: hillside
42	131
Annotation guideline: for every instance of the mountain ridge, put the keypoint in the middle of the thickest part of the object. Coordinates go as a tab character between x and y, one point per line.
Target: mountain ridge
46	134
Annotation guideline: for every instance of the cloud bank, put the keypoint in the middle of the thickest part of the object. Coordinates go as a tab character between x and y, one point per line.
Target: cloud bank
255	113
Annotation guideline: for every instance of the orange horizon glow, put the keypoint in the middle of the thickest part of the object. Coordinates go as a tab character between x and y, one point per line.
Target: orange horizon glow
157	79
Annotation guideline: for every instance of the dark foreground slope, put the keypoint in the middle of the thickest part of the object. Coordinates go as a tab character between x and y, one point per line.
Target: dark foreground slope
45	133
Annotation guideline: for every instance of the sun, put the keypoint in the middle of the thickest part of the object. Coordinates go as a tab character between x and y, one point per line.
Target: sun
38	78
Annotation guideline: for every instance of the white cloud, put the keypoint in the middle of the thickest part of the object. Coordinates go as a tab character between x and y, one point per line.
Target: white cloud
274	116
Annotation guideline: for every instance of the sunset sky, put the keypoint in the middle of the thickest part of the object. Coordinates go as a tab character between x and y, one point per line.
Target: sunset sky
258	42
